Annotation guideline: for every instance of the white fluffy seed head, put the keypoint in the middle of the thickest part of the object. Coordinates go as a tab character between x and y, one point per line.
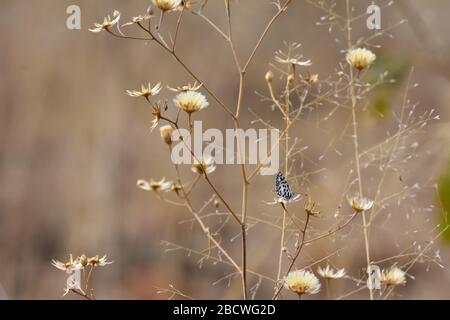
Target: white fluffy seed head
360	58
191	101
302	282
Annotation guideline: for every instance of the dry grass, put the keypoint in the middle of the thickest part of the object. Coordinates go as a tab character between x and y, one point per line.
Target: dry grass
367	197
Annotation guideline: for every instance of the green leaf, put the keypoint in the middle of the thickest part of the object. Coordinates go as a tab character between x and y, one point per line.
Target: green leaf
397	68
444	198
380	106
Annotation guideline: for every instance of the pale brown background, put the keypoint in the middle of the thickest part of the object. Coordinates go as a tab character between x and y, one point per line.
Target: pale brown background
72	144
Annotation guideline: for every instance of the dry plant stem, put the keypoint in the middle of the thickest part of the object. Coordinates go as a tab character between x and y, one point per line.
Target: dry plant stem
276	102
244	237
393	149
245	182
230	36
222	199
331	232
350	293
215	259
191	187
88	279
212	24
263	35
235	116
232	212
160	197
430	243
293	120
244	188
297	253
185	67
327	289
242	169
161	18
304	242
81	294
177	29
173	293
280	258
285	112
283	133
285	210
204	228
356	147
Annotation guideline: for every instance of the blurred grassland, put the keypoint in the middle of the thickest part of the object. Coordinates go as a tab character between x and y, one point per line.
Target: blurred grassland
73	145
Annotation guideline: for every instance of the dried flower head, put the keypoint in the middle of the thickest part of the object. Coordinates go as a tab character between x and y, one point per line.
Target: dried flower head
166	134
191	101
176	187
145	91
107	22
329	273
156	112
98	262
302	282
311	207
69	266
167	5
312	78
360	58
393	277
204	166
294	61
360	204
188	87
140	18
153	185
185	4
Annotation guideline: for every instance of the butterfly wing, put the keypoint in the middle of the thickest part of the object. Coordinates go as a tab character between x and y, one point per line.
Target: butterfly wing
282	188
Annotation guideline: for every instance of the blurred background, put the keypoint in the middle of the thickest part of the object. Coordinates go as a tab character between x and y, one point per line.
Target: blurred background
73	145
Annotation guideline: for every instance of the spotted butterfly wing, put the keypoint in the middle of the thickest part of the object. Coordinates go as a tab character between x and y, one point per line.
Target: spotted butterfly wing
282	188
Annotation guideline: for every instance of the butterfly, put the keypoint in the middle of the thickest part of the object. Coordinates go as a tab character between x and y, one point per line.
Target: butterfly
282	188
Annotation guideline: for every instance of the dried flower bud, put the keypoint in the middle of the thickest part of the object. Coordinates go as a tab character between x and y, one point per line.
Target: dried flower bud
269	76
166	134
311	208
176	187
290	78
205	166
216	203
312	78
98	262
83	260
